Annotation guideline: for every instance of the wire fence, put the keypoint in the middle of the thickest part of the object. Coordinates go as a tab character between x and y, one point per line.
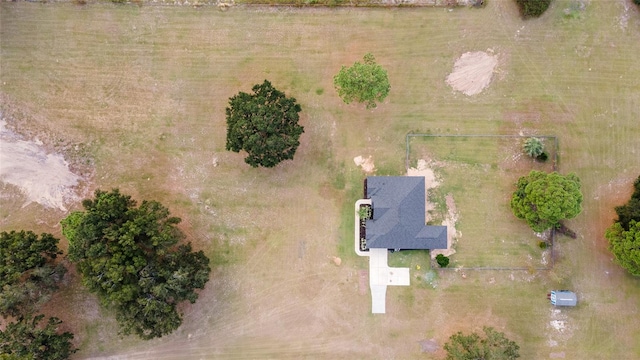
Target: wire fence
555	166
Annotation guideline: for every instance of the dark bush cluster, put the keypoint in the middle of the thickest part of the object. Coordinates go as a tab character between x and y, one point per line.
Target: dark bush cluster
534	8
542	157
442	260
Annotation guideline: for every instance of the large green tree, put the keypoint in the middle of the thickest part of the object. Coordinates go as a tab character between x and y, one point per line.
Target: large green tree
493	345
624	234
28	274
631	210
130	257
543	199
366	82
26	339
625	245
264	124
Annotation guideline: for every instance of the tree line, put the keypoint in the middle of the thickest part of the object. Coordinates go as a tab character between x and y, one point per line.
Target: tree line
132	257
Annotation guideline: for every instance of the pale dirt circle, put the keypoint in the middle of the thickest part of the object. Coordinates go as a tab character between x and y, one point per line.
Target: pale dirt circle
472	72
43	177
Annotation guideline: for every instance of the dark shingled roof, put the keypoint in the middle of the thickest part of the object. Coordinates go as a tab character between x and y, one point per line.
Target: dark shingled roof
398	222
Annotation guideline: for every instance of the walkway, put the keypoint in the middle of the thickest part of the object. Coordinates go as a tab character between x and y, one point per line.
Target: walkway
380	274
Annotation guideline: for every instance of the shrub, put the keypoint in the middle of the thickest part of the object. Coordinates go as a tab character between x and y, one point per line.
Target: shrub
542	157
533	8
533	147
442	261
637	2
365	212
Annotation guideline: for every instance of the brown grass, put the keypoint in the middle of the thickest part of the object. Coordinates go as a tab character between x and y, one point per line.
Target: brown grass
147	88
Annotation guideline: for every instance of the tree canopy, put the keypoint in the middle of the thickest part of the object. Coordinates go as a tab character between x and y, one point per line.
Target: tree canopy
28	274
625	245
624	234
366	82
533	8
25	339
543	199
129	256
264	124
492	346
631	210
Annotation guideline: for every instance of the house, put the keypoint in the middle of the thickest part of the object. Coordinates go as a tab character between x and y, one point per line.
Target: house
397	222
398	204
563	298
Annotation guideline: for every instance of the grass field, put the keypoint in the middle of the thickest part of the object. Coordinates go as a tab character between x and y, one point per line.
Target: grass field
478	173
143	90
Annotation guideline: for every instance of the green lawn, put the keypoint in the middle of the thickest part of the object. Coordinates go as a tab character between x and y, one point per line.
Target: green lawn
145	88
479	173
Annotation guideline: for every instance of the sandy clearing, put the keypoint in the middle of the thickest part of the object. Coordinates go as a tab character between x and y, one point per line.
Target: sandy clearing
472	72
366	164
452	233
43	177
422	169
430	182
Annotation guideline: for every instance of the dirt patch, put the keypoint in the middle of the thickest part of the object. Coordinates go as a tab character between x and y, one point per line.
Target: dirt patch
559	330
423	169
472	72
452	232
43	177
430	182
366	164
429	346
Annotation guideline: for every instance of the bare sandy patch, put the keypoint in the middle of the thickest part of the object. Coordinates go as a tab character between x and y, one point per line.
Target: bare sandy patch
423	169
559	329
366	164
472	72
43	177
430	182
452	233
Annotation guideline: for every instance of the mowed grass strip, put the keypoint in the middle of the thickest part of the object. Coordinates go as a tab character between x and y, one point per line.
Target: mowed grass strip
148	87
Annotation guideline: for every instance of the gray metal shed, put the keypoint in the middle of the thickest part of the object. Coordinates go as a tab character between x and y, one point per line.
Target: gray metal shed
563	298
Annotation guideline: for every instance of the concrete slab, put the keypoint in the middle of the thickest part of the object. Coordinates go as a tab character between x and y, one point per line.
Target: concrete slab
378	299
381	276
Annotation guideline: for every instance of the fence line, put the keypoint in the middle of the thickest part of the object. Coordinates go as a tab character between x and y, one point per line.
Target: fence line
555	167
